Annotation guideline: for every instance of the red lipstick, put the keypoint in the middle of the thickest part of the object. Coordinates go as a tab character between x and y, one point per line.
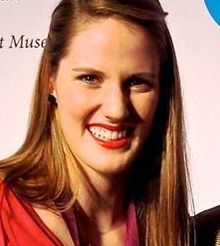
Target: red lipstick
112	143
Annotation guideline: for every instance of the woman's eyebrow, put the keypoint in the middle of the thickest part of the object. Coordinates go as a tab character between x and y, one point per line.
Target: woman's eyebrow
145	75
89	70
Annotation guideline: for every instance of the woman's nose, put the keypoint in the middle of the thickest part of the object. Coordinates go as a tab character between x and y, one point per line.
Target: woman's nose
115	104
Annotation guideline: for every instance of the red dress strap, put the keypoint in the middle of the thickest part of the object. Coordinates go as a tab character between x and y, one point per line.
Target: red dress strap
132	238
70	219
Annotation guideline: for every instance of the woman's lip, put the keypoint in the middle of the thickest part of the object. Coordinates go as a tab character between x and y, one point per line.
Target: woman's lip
112	144
110	127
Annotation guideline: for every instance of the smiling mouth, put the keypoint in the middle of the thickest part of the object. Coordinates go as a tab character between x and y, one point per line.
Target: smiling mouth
108	135
111	139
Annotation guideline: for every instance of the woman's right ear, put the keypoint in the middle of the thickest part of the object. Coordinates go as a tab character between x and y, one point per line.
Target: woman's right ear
52	97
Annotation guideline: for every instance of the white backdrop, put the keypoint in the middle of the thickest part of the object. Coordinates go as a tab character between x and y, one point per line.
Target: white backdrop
197	40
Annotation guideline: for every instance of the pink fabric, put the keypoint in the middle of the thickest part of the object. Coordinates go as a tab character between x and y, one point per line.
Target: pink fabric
20	225
132	231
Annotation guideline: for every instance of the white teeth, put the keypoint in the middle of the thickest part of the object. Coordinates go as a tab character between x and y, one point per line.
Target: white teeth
115	135
105	134
108	134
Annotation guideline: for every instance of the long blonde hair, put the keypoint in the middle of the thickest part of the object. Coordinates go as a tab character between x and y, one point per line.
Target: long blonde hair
38	172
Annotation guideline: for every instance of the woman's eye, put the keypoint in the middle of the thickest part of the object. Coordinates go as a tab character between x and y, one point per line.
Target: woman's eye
89	78
140	84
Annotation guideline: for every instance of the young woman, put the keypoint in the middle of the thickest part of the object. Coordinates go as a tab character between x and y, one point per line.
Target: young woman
104	160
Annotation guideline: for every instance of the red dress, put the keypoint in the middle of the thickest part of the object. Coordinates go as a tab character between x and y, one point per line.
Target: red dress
20	225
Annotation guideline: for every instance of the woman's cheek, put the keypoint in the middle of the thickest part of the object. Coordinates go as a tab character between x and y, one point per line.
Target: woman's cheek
146	106
77	104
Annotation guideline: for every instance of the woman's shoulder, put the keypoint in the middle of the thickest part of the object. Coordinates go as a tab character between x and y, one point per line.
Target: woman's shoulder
207	227
17	217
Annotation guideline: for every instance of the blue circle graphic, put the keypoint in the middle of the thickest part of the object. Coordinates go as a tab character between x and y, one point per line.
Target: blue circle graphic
213	7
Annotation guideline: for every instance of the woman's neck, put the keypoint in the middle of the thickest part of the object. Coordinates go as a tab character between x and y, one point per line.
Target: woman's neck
102	199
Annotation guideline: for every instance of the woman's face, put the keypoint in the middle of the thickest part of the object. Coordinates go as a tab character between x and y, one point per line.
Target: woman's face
107	91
